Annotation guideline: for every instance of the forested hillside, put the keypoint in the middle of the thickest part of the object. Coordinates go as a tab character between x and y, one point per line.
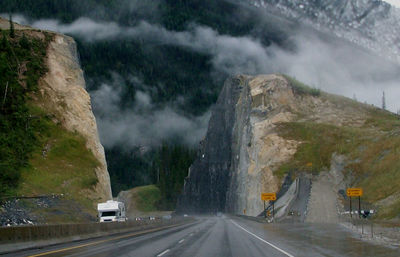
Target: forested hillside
174	79
21	65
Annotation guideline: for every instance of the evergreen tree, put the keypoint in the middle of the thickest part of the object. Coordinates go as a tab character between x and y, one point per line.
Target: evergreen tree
4	41
12	31
383	101
24	42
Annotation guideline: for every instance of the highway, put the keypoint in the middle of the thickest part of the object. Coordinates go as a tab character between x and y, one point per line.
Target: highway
224	236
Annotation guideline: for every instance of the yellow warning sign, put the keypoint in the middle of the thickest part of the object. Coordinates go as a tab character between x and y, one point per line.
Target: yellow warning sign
268	196
354	192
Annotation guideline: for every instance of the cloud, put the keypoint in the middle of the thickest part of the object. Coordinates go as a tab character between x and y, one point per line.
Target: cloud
18	18
327	63
82	27
340	68
143	124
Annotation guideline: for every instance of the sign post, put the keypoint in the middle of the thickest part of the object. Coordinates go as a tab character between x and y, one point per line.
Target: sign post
273	209
269	197
265	211
355	192
351	210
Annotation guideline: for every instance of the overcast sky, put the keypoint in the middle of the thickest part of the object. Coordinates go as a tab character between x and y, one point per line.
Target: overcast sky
394	2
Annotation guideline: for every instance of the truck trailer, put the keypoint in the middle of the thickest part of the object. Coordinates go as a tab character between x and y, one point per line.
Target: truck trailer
111	211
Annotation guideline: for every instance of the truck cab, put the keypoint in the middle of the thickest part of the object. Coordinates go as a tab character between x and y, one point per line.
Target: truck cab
111	211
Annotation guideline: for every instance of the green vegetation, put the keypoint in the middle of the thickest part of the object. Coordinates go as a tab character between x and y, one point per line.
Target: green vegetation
21	65
302	88
147	198
166	166
60	163
319	142
172	165
372	151
37	156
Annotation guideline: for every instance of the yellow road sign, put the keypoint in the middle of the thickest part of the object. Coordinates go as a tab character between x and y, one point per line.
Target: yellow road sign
268	196
354	192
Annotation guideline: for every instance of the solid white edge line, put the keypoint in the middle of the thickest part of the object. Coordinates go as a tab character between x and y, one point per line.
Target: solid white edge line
259	238
181	241
161	254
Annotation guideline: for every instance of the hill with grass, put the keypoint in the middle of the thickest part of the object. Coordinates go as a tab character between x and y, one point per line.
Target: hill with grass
268	128
53	167
144	201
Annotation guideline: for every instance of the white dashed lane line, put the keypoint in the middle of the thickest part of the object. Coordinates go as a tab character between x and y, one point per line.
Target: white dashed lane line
161	254
180	242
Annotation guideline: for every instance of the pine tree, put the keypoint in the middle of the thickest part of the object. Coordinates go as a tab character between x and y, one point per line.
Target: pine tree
12	31
24	42
4	41
383	101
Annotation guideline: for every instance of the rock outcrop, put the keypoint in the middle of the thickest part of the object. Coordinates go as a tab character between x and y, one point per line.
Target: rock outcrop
64	94
63	88
243	147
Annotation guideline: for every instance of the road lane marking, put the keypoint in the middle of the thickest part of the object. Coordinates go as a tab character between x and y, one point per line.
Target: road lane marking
180	242
161	254
262	240
191	234
106	240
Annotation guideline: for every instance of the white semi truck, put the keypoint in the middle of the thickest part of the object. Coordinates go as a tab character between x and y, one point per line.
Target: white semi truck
111	211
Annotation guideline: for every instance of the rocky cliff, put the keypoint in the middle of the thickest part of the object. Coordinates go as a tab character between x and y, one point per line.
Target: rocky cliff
266	127
61	162
63	87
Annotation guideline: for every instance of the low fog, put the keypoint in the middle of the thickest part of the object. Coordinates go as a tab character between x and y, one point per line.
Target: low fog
323	62
144	124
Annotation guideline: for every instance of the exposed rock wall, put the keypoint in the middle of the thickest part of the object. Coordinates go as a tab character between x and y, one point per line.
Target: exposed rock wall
205	189
240	151
64	95
243	148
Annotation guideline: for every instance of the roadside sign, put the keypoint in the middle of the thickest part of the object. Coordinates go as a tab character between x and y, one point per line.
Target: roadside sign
354	192
268	196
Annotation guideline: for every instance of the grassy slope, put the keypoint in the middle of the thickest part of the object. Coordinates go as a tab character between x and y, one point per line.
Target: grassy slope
372	150
58	161
146	198
142	201
60	164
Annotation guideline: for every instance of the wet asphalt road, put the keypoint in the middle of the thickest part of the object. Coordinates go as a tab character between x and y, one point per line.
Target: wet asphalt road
226	236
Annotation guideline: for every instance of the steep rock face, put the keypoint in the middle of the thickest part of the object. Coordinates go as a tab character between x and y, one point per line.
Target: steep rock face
205	189
63	87
243	147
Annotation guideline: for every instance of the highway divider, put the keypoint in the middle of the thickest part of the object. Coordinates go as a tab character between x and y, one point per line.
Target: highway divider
25	237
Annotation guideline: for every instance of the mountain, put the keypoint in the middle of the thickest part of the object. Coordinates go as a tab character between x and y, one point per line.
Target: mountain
372	24
53	163
154	69
267	130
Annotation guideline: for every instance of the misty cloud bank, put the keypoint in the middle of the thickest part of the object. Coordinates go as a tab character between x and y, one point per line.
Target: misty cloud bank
144	124
331	66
